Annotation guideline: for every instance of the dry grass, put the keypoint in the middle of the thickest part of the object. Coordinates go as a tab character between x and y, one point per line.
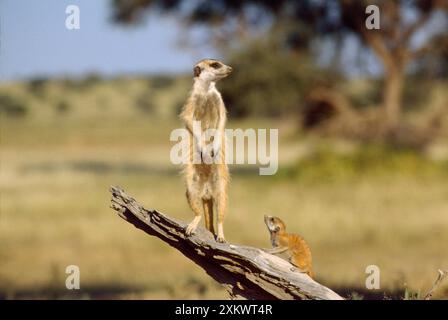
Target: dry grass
56	167
55	212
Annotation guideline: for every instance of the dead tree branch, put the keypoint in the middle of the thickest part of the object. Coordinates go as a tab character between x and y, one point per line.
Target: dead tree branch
246	272
442	274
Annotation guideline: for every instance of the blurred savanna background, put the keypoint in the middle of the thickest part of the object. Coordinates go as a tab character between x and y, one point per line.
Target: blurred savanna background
363	139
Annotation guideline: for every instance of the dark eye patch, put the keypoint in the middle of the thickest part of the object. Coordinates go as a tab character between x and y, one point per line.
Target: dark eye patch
215	65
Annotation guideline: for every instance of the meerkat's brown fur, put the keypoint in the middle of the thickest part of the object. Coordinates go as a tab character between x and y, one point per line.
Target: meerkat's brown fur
293	245
207	180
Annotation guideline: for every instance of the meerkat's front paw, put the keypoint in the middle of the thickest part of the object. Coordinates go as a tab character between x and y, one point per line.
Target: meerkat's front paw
207	158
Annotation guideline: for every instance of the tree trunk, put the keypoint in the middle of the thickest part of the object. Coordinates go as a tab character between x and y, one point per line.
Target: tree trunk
392	100
246	272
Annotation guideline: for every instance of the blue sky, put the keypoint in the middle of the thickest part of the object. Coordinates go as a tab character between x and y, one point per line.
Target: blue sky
35	42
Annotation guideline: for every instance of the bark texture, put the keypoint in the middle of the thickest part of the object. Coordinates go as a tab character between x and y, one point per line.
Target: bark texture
245	272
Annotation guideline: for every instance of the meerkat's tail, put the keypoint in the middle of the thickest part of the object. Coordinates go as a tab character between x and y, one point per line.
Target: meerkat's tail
208	215
311	274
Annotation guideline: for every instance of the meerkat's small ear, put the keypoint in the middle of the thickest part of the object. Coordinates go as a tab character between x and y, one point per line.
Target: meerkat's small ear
197	71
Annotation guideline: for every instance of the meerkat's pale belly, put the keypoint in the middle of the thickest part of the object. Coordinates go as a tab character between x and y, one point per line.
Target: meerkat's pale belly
206	178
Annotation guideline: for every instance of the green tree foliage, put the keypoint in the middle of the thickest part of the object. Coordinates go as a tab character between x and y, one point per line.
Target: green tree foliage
311	20
12	107
268	82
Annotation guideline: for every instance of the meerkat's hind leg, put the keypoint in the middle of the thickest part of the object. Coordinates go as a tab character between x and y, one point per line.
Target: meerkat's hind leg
195	205
221	209
208	215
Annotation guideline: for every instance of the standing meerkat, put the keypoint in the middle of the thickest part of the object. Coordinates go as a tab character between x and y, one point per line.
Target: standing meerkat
206	173
293	245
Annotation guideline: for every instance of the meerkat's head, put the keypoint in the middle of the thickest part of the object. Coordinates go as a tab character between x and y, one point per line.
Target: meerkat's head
274	224
211	70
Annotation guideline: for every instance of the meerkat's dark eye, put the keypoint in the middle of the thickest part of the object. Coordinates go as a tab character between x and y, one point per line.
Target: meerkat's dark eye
215	65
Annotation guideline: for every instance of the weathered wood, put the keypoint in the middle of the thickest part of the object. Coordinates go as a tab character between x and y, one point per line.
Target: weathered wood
441	275
246	272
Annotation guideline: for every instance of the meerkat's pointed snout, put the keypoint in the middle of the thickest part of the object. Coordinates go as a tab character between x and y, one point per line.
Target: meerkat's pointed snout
227	70
268	220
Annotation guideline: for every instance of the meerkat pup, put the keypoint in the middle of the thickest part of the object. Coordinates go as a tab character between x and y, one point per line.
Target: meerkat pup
292	245
206	173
